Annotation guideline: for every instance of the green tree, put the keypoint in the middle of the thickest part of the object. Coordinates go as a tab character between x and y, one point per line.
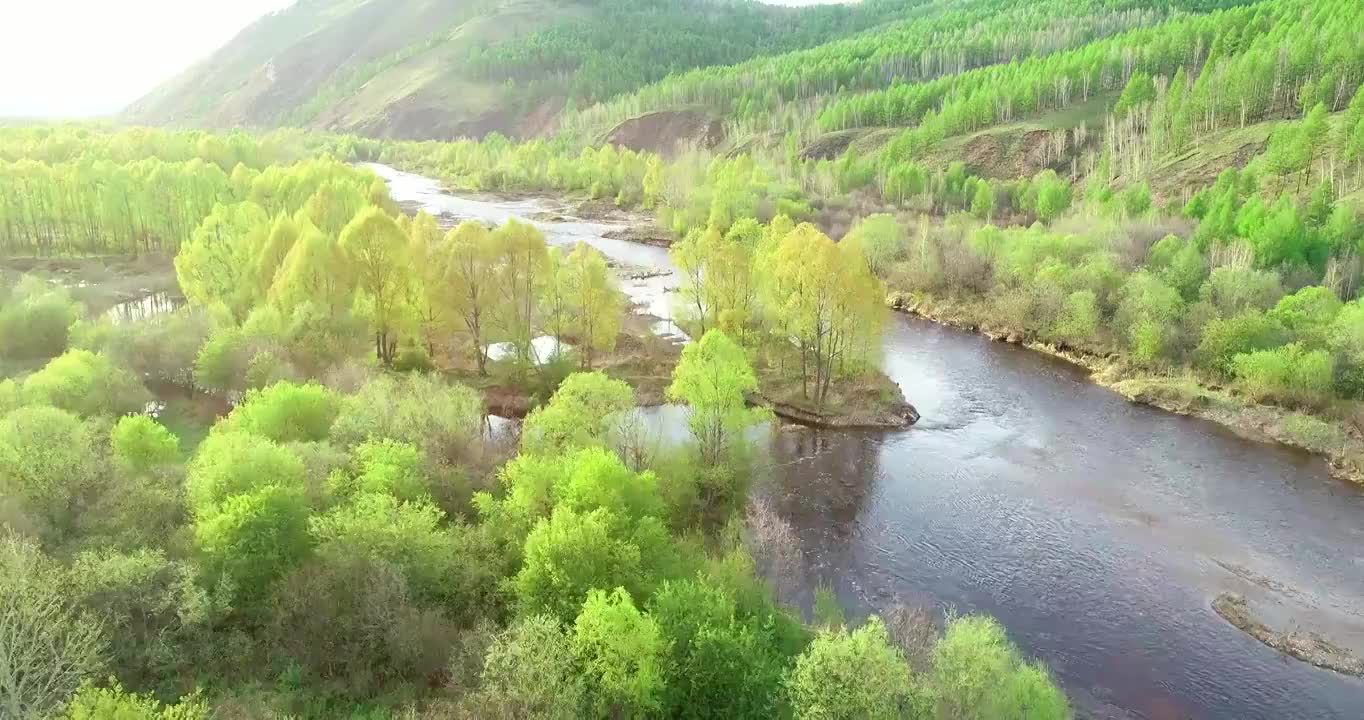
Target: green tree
580	414
716	665
714	379
570	554
530	671
621	651
377	256
978	673
140	443
87	384
594	303
251	539
882	240
285	412
858	673
469	281
48	464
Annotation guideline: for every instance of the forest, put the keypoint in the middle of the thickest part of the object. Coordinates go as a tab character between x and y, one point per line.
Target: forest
347	536
290	496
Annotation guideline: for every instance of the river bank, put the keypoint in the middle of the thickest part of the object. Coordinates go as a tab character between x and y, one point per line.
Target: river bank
1182	394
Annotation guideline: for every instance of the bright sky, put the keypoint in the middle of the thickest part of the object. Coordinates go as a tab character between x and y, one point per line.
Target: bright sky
77	58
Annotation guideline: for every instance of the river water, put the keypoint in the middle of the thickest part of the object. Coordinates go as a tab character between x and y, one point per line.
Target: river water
1096	530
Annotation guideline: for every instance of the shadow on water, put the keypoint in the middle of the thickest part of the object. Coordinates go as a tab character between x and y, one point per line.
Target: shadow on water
1096	530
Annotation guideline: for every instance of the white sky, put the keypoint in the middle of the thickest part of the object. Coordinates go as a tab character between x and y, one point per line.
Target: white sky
81	58
75	58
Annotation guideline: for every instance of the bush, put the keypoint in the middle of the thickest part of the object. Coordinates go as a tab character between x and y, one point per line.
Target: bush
86	384
414	358
139	443
1225	338
1232	290
48	645
442	419
286	412
857	674
49	463
530	671
621	653
1291	375
979	675
351	623
115	703
35	322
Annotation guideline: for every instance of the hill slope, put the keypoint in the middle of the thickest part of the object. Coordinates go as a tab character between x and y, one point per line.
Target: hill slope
437	69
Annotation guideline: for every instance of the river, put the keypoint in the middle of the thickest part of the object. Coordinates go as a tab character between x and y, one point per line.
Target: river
1096	530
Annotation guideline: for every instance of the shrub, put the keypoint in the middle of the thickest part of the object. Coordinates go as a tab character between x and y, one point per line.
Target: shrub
286	412
441	419
1290	374
139	443
86	384
1225	338
859	673
115	703
36	321
979	675
621	653
530	671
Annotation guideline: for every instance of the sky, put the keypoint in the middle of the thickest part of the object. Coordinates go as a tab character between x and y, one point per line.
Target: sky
81	58
86	58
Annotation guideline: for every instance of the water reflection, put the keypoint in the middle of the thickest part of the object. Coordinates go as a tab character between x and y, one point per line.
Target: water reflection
146	307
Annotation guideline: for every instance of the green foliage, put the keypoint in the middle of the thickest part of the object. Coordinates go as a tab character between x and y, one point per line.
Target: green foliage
140	443
714	379
1291	374
530	670
86	384
35	320
251	539
1308	315
286	412
579	415
978	673
717	665
883	240
570	554
1225	338
231	463
115	703
440	561
441	419
856	673
622	653
49	461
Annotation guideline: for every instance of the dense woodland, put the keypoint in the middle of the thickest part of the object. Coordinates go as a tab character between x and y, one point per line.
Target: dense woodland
346	536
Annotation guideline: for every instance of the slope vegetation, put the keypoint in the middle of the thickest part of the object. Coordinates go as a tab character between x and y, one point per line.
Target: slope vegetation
437	69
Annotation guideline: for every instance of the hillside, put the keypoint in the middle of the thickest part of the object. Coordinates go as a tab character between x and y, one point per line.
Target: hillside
433	69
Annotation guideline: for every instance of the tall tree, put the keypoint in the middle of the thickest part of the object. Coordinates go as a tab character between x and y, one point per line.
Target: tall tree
378	258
